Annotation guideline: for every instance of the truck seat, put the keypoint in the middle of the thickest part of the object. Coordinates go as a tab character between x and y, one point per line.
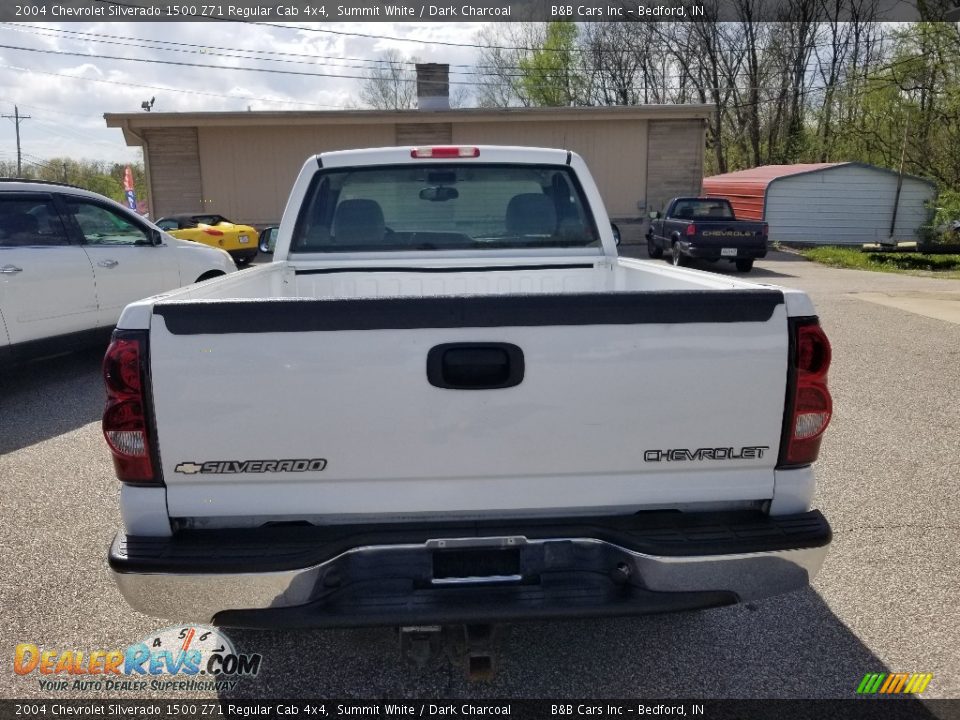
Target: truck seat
531	214
359	222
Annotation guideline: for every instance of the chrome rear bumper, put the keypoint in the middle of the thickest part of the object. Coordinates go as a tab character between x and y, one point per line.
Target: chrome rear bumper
481	578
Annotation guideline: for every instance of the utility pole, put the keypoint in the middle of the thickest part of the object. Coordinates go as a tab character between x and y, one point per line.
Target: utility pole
896	197
17	117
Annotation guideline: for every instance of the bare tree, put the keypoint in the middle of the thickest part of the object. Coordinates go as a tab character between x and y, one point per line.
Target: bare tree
613	62
391	84
789	49
754	35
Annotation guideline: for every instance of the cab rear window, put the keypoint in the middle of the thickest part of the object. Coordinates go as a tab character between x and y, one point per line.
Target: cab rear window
703	210
444	206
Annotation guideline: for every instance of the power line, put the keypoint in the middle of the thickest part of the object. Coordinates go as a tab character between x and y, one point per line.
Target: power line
317	30
204	49
167	89
373	64
234	68
393	38
803	90
475	70
176	63
40	162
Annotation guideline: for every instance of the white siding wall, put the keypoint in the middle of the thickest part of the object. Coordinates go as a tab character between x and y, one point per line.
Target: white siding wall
844	205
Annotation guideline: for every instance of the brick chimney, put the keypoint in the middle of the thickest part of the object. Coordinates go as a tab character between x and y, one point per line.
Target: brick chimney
433	86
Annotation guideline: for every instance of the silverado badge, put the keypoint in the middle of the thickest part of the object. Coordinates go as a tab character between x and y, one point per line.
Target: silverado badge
232	467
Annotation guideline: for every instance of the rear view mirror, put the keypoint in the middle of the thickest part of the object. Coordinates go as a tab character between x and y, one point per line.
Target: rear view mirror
268	240
441	177
156	237
616	233
439	194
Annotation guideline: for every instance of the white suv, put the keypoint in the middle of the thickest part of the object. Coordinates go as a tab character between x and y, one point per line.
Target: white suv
71	260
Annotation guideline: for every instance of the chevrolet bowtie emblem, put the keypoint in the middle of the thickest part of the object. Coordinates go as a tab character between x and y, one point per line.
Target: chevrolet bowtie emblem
188	468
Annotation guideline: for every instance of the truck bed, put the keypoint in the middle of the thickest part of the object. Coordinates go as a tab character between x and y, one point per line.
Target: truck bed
362	401
434	277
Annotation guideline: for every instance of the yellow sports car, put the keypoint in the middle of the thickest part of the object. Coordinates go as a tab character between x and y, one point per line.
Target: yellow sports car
238	240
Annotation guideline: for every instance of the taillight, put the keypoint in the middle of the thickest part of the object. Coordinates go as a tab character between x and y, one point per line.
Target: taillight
215	233
445	151
809	405
125	417
766	230
691	230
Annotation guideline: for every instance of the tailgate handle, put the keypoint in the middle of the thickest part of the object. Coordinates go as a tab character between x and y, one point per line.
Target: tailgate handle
475	366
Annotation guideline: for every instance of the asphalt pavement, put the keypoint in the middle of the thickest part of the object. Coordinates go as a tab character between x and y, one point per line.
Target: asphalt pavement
886	600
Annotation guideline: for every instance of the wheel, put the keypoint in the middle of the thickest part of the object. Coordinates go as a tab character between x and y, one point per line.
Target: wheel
744	265
209	275
652	250
244	260
678	259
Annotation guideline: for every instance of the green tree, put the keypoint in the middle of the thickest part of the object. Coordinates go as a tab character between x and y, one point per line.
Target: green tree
909	105
551	75
94	175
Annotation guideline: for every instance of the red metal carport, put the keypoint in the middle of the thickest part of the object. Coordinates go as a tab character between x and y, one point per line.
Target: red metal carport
747	189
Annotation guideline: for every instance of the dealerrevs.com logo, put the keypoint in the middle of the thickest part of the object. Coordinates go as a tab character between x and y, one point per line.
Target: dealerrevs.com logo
186	658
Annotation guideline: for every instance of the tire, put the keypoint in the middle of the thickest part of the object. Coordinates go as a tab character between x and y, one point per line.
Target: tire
242	261
652	250
744	266
209	275
678	259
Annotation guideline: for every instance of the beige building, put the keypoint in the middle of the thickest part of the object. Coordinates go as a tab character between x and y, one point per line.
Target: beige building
243	164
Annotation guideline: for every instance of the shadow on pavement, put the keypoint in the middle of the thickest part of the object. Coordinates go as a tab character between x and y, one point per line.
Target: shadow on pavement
45	398
787	647
764	270
725	268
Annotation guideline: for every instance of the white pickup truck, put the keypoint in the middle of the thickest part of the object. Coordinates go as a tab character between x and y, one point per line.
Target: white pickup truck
472	411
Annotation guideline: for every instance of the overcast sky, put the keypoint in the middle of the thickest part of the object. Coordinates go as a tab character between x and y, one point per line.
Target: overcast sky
66	95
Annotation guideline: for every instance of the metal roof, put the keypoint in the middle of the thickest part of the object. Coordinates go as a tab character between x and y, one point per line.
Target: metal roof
747	189
768	173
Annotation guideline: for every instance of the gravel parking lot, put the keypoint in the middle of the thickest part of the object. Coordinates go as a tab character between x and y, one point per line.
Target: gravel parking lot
887	598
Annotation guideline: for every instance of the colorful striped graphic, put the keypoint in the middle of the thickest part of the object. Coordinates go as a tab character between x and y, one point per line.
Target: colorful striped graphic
894	683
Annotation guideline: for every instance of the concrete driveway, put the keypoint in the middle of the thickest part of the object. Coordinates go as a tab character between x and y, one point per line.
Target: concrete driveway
887	599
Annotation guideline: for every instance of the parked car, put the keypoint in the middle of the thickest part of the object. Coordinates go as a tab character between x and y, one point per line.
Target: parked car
268	239
214	230
71	260
459	426
705	228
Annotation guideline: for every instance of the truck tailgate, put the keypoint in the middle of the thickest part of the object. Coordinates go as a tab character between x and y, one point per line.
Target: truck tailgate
729	232
322	410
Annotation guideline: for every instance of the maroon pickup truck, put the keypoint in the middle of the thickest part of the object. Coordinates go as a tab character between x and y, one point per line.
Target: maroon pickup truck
705	228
